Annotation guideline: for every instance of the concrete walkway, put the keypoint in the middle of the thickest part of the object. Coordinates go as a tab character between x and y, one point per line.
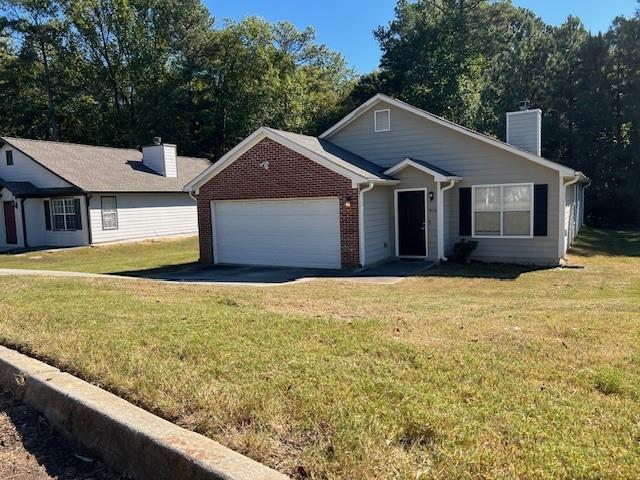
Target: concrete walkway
388	273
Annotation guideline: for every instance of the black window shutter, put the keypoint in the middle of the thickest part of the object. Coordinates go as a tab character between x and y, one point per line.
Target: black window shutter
540	210
465	211
76	201
47	214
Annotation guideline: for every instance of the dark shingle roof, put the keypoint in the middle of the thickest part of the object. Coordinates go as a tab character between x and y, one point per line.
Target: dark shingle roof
28	189
106	169
326	148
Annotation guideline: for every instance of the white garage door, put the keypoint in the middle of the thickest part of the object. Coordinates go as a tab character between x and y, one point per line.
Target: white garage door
292	233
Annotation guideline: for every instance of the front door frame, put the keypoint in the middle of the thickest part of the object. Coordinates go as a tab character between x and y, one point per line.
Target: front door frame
397	230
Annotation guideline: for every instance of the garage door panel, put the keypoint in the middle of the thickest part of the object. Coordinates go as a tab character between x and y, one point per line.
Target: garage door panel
302	233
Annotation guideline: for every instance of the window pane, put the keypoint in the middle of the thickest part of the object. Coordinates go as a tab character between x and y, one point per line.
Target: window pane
517	223
108	204
487	198
382	121
71	222
58	222
517	197
70	206
487	223
109	221
58	207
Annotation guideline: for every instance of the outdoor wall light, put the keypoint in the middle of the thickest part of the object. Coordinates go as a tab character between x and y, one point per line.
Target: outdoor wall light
431	196
347	202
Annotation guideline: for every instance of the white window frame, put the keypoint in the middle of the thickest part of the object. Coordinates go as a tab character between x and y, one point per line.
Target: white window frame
63	215
375	120
115	210
502	210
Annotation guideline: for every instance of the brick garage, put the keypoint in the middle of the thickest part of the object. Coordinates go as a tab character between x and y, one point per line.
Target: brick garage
289	175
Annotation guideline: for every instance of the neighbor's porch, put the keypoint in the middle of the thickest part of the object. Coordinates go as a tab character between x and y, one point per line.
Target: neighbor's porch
33	217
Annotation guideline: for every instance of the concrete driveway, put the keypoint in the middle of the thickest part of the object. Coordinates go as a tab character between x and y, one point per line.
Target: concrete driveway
389	272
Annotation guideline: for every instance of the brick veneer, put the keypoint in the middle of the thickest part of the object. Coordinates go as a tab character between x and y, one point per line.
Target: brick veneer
290	175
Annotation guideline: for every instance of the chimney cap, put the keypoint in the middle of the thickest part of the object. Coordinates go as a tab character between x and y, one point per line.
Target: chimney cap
157	141
524	105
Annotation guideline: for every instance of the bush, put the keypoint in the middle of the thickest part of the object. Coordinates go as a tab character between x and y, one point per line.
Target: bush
608	381
463	250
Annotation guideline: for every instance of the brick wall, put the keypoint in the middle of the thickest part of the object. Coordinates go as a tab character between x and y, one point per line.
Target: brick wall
290	175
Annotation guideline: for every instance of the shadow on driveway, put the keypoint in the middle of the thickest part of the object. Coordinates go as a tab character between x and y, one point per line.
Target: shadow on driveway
389	272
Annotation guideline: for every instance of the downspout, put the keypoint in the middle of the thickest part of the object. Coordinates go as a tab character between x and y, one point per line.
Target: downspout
24	224
361	221
563	206
440	207
87	198
583	204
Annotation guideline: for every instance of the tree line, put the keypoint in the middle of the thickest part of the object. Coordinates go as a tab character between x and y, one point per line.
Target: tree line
117	72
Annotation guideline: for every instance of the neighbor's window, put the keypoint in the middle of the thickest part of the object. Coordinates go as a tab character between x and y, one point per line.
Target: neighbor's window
9	154
382	120
503	210
109	213
64	214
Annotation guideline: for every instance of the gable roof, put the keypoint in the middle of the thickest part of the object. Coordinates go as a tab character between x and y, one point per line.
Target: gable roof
325	147
325	153
439	174
105	169
28	189
448	124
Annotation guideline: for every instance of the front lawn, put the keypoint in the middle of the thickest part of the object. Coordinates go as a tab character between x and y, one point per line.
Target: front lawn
468	372
129	257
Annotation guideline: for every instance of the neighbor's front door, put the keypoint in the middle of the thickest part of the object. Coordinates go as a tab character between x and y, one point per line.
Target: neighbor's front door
10	223
412	231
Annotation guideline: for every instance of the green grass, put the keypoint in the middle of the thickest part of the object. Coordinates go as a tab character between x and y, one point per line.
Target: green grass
115	258
470	372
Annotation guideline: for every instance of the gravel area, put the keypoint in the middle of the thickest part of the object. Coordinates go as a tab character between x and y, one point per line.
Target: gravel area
30	449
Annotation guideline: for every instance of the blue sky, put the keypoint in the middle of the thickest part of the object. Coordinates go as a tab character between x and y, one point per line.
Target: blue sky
346	25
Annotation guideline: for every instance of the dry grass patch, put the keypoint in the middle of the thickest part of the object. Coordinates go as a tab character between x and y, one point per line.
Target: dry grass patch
129	257
467	372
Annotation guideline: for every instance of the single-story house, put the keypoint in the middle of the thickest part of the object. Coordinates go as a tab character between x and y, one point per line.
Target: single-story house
57	194
388	180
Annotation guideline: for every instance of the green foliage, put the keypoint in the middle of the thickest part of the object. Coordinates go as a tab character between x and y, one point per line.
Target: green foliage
118	72
608	381
474	60
463	250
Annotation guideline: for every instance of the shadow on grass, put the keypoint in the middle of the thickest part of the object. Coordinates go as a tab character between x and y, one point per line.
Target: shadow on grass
610	243
494	271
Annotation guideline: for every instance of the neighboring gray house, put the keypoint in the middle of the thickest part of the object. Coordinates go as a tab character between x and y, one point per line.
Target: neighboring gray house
388	180
57	194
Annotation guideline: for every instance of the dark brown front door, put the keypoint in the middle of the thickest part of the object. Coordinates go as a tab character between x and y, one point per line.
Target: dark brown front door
10	223
412	224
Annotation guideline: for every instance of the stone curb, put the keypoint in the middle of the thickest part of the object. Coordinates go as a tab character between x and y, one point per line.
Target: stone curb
125	437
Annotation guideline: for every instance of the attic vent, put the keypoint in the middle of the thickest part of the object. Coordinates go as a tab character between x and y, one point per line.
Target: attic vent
382	120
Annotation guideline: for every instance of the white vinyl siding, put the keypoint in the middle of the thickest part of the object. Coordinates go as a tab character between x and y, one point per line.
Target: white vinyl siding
39	236
145	215
477	162
377	231
524	130
291	233
24	169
